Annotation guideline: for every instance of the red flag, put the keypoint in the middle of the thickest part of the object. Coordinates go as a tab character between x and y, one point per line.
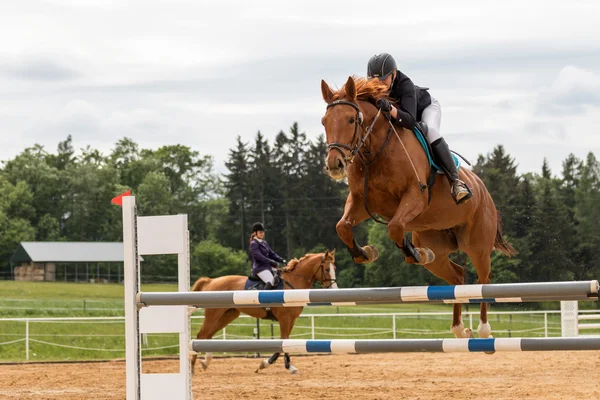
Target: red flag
119	199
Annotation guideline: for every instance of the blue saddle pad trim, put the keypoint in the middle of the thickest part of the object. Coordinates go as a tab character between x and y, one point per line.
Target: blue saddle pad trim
250	285
423	141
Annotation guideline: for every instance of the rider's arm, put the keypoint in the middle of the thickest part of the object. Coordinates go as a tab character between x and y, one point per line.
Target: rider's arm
275	256
405	112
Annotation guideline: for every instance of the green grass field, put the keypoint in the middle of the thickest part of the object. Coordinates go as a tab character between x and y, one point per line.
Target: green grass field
86	340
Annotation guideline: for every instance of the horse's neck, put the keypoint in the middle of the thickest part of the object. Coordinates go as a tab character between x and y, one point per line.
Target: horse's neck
298	278
395	154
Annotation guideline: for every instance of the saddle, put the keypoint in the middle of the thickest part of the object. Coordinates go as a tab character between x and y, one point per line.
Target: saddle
255	283
421	130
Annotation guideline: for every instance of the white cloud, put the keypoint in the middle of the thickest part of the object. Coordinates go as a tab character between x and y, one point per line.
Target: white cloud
200	73
572	91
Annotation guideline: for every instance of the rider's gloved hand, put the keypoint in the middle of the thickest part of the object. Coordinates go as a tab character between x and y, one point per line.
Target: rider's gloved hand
385	105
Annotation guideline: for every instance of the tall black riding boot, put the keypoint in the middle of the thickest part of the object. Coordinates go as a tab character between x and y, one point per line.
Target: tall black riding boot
459	190
268	286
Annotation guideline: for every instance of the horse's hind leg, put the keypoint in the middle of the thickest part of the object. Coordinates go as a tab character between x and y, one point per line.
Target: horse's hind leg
442	244
214	321
482	263
265	363
477	240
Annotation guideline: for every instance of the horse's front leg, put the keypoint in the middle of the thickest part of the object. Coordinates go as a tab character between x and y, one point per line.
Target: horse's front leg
355	213
265	363
288	364
411	205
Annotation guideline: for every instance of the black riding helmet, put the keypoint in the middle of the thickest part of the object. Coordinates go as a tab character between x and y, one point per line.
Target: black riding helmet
381	66
258	227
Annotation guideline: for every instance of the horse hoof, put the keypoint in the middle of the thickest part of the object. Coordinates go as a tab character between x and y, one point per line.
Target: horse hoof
372	253
204	366
375	252
263	364
361	260
427	255
293	370
469	333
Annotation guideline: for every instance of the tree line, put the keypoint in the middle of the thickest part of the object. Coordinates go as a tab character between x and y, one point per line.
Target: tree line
64	195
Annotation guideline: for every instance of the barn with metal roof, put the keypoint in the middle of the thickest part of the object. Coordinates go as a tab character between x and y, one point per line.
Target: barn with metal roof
68	261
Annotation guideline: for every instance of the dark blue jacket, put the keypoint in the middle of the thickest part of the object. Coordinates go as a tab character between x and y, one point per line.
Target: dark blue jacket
262	256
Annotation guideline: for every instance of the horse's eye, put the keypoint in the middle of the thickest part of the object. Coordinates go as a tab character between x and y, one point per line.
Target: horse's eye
351	120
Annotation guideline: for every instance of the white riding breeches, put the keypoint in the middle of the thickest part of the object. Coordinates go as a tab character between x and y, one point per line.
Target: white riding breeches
432	116
266	276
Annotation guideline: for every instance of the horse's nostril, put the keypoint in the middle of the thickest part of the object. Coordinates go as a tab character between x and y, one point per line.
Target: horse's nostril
340	164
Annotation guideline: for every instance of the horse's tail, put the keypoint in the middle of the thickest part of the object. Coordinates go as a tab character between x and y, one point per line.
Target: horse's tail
200	283
500	243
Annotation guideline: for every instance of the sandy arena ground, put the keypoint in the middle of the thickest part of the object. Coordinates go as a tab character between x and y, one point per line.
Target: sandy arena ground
424	376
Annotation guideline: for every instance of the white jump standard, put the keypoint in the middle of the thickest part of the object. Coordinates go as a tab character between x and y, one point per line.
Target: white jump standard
146	236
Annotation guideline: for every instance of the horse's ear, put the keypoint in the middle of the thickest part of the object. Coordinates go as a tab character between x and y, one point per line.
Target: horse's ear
326	92
350	89
332	252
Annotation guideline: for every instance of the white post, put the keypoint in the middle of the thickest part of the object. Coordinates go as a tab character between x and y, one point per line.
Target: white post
394	324
569	313
471	321
27	339
546	324
131	283
183	268
312	325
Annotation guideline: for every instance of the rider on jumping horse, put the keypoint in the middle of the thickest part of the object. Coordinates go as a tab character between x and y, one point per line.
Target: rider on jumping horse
413	104
264	260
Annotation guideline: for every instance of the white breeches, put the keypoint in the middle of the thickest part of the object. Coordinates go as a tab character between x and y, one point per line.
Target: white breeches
432	115
266	276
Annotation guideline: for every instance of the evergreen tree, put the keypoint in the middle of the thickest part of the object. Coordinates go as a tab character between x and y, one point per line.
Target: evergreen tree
238	189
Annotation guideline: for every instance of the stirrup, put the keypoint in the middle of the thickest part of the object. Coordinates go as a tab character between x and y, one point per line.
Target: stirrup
466	197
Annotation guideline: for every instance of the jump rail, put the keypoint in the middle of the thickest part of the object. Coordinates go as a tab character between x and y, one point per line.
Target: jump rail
397	345
507	292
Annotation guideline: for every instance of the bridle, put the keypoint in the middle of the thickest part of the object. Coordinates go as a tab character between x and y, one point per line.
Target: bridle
354	149
322	281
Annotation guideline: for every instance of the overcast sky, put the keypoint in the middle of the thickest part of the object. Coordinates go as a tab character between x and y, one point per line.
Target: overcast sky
525	74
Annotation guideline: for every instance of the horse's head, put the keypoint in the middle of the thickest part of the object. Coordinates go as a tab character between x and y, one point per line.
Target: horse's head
349	111
326	271
319	267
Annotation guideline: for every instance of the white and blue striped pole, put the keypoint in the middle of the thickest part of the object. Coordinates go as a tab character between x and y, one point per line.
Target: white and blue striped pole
346	346
509	292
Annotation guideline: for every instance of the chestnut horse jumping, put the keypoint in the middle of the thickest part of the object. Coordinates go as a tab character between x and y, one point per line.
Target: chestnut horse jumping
396	166
298	274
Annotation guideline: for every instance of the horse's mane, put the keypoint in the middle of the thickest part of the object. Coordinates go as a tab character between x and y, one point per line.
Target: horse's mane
294	263
366	90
